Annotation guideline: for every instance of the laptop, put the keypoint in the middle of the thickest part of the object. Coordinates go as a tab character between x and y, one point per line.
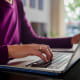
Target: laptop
61	62
73	49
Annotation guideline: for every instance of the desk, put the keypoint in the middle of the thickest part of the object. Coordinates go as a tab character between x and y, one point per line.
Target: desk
72	74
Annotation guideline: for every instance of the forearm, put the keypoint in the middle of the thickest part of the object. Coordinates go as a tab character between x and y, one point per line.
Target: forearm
52	42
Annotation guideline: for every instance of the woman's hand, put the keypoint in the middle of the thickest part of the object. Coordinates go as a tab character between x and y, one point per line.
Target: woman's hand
75	39
20	51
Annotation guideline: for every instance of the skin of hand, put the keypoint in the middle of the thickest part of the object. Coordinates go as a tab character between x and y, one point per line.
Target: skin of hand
20	51
9	1
75	39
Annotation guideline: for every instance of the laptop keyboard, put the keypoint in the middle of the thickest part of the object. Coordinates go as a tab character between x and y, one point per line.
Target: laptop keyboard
59	60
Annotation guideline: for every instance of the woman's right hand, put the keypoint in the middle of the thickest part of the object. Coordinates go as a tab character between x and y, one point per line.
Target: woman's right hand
20	51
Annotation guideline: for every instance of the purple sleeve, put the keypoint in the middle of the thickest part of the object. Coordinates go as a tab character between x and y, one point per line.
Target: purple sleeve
28	35
3	55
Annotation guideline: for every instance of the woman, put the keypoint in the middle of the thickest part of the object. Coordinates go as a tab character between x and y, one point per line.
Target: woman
15	29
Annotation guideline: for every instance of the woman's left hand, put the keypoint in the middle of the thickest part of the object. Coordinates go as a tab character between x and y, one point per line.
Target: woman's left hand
75	39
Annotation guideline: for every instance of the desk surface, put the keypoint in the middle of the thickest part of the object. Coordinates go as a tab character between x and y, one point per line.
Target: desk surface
23	76
73	74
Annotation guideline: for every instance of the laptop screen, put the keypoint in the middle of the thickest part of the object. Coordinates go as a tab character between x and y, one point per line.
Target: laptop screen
75	57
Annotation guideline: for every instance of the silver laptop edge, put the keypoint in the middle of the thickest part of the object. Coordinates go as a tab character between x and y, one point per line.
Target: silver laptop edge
74	58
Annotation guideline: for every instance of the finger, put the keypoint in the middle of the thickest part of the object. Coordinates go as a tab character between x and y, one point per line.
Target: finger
50	53
46	51
43	58
39	54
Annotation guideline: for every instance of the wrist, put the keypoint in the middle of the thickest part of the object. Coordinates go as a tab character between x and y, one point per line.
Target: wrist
10	51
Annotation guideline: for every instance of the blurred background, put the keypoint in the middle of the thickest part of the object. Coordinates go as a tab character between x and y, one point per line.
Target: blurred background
53	18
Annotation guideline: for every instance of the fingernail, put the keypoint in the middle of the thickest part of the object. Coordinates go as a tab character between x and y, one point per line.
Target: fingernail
46	60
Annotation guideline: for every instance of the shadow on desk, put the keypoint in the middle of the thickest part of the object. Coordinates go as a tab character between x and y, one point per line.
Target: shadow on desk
23	76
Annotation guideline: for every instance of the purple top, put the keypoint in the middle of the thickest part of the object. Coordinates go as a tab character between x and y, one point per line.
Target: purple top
14	28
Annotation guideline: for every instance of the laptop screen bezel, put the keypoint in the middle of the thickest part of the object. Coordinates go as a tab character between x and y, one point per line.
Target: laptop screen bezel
72	60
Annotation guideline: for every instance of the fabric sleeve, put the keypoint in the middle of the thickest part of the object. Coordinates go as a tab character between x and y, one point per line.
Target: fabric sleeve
29	36
3	54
